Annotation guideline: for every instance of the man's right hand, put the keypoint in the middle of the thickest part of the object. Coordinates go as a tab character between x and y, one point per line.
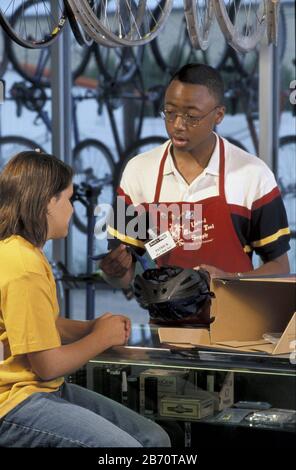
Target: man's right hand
117	263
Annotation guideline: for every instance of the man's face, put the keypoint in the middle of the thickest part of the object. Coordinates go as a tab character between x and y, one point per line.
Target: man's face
195	101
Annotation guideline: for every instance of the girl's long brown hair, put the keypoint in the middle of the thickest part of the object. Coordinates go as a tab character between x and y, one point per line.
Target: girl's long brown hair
27	184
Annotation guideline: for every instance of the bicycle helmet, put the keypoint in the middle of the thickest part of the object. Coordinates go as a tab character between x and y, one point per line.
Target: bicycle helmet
174	295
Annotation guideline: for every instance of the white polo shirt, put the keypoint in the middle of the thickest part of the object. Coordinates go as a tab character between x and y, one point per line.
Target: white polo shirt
254	201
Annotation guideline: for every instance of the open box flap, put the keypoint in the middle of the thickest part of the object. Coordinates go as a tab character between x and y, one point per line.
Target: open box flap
284	344
288	336
243	344
244	310
290	278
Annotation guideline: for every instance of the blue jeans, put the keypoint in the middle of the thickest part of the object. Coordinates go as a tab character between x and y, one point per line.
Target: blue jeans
76	417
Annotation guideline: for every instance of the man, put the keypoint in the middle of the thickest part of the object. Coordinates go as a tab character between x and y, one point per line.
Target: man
242	210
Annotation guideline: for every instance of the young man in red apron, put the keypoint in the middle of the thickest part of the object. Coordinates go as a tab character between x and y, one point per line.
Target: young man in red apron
242	210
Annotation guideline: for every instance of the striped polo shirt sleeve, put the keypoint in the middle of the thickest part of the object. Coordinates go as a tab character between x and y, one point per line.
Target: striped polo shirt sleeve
270	233
261	223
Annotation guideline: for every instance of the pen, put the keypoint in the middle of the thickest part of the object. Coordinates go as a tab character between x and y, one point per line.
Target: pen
143	262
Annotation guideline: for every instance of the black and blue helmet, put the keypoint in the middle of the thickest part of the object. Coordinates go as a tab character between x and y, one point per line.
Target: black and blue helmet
175	295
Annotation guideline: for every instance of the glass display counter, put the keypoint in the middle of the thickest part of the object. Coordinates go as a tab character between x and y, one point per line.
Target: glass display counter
199	388
145	349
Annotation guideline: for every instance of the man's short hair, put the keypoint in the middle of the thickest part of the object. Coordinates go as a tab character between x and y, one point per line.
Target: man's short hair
201	74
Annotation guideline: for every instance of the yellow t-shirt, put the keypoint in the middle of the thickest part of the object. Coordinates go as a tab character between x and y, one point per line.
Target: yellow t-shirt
28	312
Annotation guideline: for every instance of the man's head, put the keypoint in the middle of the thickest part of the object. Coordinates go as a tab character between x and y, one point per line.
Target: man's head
193	105
201	74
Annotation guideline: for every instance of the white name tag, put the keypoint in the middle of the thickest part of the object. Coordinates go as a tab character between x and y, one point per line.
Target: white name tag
160	245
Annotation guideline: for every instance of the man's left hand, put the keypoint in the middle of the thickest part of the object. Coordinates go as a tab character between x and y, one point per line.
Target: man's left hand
212	270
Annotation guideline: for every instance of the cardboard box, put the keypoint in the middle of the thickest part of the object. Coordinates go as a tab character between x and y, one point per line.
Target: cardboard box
244	310
225	397
154	383
185	407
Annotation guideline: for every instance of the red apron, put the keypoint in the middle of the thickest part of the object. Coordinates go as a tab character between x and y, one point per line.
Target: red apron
220	245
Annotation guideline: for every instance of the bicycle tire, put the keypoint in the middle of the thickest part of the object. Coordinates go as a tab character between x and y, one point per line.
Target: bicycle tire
228	59
101	27
14	144
80	35
85	25
26	62
198	23
273	10
286	176
55	24
85	21
3	54
102	162
229	23
246	64
140	146
129	61
281	38
171	53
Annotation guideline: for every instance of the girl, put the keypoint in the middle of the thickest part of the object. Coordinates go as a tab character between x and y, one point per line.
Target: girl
37	407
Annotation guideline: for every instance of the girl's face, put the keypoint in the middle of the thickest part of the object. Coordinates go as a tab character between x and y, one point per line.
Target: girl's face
59	213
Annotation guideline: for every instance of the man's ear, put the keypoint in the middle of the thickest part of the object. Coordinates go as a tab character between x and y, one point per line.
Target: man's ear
220	114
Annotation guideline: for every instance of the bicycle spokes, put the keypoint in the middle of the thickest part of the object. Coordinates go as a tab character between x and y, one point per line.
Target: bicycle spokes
32	23
243	22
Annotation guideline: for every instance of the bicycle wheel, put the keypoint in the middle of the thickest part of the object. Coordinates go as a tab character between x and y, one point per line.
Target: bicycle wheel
138	147
32	23
10	145
171	52
128	23
3	54
35	65
80	35
243	22
199	18
276	27
273	9
286	177
92	161
84	23
118	64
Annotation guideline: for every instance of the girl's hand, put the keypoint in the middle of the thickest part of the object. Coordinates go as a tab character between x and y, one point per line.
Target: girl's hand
113	330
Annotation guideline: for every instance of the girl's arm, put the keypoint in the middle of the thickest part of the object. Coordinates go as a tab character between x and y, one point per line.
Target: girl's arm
108	330
73	330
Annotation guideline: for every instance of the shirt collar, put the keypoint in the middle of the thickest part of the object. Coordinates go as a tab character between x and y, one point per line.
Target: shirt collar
212	168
